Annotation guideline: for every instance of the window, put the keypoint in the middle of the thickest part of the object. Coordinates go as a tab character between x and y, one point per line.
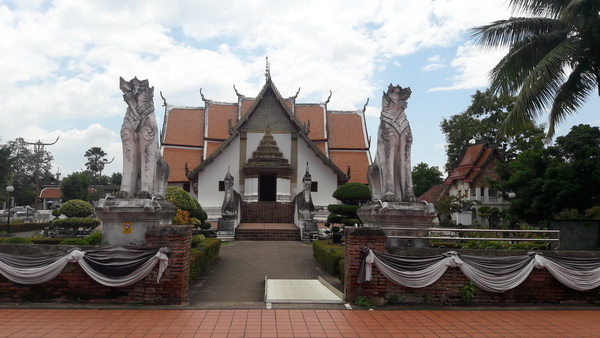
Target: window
186	186
314	186
221	185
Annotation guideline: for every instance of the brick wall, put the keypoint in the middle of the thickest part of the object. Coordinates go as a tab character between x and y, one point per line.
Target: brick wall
73	285
539	288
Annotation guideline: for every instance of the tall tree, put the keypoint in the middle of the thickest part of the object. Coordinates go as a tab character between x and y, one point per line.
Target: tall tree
553	58
24	162
75	186
5	171
95	162
479	124
425	177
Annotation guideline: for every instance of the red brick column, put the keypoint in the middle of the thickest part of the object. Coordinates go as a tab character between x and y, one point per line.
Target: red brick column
357	239
174	284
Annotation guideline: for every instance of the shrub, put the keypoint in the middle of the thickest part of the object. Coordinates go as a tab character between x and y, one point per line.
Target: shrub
205	225
76	208
76	222
95	238
17	240
182	200
328	255
74	241
203	257
182	217
197	239
333	218
343	209
353	193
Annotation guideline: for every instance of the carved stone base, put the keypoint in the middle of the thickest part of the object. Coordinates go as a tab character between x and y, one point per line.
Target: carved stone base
226	229
310	230
412	215
125	221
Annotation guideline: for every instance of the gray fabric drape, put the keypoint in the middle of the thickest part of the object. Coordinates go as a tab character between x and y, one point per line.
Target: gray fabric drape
493	274
110	266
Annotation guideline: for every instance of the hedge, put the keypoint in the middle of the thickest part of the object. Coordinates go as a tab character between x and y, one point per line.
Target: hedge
329	255
203	256
76	222
343	209
23	227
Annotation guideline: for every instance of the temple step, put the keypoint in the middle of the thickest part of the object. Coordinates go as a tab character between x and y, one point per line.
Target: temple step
267	212
267	232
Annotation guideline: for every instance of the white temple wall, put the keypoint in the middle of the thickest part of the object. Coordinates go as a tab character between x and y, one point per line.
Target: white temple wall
319	172
209	195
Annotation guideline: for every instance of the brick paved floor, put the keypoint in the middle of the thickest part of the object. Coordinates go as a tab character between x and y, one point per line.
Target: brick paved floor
297	323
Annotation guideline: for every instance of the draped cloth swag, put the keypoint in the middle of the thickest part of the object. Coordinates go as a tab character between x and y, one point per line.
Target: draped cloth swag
493	274
114	266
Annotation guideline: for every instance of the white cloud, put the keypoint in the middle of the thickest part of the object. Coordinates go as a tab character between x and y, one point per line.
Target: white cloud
472	66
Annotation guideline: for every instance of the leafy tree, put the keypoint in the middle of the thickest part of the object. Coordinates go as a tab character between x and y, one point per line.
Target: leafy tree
449	205
562	177
479	124
425	177
95	162
553	58
75	186
23	162
115	178
5	171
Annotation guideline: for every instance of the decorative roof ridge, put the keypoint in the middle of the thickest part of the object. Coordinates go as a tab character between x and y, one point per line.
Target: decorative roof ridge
172	107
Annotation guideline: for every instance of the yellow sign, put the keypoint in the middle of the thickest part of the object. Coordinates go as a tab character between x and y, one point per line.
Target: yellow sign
127	226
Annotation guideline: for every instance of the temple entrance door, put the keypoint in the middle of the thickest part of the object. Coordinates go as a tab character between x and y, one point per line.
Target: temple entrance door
267	187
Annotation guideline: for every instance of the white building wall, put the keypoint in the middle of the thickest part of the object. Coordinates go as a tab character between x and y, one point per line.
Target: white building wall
209	195
319	172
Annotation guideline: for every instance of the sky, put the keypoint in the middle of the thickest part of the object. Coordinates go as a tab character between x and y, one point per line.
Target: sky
61	62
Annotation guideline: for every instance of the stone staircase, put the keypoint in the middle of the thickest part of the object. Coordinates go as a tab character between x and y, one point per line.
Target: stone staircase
267	232
267	212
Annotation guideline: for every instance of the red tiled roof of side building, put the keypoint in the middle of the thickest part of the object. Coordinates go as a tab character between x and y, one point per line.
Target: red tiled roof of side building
357	160
314	114
466	163
51	193
177	158
218	117
211	146
484	160
246	104
435	193
185	127
346	131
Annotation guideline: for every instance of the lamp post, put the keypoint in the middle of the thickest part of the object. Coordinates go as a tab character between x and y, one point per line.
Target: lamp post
9	189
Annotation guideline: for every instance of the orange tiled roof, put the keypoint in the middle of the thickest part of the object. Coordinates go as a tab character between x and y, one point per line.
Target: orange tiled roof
346	131
177	158
474	161
316	115
435	193
357	160
246	104
218	117
51	193
185	127
211	146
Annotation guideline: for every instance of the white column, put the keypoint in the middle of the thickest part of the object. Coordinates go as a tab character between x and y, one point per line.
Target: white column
283	190
251	189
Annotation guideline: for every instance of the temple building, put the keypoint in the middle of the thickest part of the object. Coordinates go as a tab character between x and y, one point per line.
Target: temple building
267	143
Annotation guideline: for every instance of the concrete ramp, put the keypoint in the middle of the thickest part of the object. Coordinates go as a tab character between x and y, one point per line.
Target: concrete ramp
301	291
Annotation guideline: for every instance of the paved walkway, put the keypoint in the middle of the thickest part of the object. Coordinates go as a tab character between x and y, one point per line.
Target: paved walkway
296	323
237	281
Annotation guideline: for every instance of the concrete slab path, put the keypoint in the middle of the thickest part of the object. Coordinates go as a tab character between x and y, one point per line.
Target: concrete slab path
237	281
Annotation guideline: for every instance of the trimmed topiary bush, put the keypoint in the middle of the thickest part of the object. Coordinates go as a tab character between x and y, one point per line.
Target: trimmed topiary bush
182	200
353	193
95	238
76	222
77	208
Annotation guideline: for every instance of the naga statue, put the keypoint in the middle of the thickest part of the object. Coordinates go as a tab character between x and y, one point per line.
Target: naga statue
232	198
303	201
145	173
390	176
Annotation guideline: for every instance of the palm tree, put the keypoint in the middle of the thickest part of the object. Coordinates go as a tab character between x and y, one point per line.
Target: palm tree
553	58
96	160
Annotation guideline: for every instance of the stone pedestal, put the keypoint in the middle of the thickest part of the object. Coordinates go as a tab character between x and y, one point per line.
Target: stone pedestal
411	215
125	221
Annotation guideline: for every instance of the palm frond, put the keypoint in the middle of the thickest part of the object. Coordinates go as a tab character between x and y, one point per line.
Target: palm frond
577	12
540	87
548	8
511	72
507	32
571	95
